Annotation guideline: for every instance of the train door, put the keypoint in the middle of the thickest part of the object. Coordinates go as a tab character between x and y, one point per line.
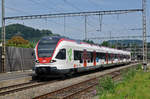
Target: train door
84	58
112	58
106	58
119	58
94	58
61	57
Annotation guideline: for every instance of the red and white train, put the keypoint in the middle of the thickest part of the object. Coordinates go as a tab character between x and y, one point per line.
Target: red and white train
57	56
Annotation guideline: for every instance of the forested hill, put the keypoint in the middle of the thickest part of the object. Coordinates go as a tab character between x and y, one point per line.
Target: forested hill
126	42
26	32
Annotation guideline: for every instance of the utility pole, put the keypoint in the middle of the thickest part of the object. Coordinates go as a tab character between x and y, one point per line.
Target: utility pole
110	39
3	58
64	25
144	35
100	22
85	27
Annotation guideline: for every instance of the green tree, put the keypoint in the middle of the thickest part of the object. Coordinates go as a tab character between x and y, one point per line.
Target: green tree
89	41
18	41
26	32
105	43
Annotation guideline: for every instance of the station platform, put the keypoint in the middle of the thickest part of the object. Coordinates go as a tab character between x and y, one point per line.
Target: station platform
17	77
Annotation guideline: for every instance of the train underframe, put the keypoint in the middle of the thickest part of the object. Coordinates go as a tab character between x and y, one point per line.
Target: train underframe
47	71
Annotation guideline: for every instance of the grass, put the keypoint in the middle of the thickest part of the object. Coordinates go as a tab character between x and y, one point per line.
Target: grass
135	85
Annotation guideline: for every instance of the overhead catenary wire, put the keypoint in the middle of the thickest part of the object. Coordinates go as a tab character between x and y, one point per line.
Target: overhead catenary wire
67	26
32	0
112	37
73	6
74	14
54	10
35	2
67	2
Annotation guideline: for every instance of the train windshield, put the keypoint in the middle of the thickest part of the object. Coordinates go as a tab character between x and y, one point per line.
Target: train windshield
46	47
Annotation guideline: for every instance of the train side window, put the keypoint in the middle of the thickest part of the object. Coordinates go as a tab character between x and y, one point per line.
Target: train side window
102	55
109	58
97	57
113	56
121	56
116	56
78	56
88	57
61	54
124	56
128	56
81	55
91	56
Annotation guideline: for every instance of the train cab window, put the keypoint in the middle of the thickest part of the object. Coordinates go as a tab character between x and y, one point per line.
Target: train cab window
61	54
46	47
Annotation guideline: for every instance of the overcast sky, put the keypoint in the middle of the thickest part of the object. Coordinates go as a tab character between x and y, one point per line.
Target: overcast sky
113	25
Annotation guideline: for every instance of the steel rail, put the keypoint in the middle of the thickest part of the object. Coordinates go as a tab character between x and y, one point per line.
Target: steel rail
2	89
70	96
22	87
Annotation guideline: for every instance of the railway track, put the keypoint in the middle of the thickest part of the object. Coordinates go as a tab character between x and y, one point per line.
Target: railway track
76	90
4	89
20	87
62	93
23	86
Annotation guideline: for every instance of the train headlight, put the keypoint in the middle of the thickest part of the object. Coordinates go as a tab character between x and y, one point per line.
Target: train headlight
52	61
37	61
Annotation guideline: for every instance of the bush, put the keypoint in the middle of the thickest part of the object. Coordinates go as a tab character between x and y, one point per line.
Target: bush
18	41
129	74
106	84
139	67
123	89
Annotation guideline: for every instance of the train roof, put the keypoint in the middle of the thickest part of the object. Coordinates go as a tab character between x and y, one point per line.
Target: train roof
81	42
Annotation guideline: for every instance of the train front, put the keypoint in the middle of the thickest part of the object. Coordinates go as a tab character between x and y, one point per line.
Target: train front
44	51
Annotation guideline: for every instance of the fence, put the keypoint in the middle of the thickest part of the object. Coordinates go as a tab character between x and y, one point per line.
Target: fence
18	59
